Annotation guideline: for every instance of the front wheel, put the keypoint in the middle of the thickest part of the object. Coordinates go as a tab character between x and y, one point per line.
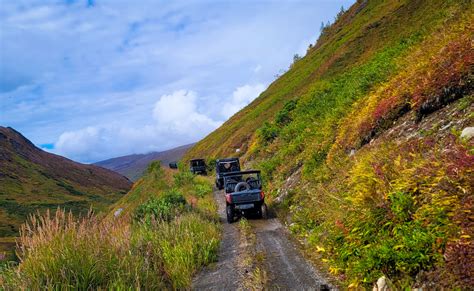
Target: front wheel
230	213
264	211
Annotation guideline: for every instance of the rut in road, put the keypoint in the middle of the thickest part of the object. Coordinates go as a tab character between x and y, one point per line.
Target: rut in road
285	266
223	275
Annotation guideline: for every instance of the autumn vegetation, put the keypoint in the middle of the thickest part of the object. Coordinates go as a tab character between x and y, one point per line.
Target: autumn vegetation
167	230
360	145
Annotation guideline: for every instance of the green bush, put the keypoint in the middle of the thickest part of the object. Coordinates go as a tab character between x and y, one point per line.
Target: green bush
154	169
268	132
165	207
202	190
182	178
283	116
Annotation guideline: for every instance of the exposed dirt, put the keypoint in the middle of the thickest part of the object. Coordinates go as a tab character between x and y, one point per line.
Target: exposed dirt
284	265
286	268
225	274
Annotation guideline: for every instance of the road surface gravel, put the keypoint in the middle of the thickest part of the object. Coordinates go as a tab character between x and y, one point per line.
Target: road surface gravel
285	266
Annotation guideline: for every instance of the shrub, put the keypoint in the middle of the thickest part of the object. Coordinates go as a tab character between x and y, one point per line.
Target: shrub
267	133
165	207
182	178
283	116
154	169
202	190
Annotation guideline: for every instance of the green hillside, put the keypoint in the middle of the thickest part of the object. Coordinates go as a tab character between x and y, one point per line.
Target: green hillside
360	144
32	180
156	237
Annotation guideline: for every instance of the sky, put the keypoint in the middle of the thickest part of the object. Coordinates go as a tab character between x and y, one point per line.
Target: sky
92	80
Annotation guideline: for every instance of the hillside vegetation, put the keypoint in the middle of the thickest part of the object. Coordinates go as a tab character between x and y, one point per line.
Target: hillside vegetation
33	180
155	238
360	144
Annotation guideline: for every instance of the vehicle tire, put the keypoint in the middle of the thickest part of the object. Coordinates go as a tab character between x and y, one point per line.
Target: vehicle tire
230	213
242	186
264	211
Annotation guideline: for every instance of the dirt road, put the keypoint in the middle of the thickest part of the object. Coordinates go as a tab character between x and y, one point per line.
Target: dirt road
285	267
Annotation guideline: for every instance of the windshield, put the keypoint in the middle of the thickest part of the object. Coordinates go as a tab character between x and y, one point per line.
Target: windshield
198	163
225	167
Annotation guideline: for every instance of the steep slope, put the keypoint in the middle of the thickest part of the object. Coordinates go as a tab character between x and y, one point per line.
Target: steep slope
32	179
133	166
360	144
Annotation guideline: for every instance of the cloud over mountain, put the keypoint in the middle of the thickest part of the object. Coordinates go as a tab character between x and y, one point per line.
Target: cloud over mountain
75	72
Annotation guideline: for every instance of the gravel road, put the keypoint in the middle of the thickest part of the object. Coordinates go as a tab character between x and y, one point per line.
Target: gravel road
285	266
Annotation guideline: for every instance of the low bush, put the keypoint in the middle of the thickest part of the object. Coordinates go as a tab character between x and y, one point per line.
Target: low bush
165	207
183	178
202	190
283	116
267	133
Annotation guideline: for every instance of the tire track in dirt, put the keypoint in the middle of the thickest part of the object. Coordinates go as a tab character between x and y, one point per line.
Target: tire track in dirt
224	274
284	265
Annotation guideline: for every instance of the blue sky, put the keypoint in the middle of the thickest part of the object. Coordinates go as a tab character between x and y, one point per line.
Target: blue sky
92	80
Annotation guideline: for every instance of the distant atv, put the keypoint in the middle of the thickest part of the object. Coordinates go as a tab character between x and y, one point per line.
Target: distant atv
225	166
198	166
173	165
243	194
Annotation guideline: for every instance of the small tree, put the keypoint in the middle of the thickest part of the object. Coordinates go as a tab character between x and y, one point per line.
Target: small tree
323	27
341	12
296	58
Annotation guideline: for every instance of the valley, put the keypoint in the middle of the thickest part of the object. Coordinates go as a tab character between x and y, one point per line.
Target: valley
364	151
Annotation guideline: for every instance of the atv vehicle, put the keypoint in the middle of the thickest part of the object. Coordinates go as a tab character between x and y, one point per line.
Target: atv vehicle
173	165
198	166
243	194
225	166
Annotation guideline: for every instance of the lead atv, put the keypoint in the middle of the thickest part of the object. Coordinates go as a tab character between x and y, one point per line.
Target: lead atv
244	195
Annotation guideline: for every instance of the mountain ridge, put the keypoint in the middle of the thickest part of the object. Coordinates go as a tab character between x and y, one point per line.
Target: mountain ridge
133	166
35	180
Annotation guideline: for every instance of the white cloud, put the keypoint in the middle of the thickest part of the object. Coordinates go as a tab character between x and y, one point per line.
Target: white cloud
241	97
177	121
94	79
84	142
178	113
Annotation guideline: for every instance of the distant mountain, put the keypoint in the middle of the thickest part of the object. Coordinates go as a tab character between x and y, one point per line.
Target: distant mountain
132	166
34	180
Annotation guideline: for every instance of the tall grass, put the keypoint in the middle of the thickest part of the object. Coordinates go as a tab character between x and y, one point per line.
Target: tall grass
59	251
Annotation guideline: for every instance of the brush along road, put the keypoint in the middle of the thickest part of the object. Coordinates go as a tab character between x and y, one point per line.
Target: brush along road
285	267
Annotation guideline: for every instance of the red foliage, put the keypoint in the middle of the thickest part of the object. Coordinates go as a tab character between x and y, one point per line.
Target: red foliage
458	159
446	70
339	224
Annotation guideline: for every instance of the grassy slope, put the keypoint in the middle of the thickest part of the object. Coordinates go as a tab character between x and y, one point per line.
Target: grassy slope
365	200
122	252
36	191
352	41
32	180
